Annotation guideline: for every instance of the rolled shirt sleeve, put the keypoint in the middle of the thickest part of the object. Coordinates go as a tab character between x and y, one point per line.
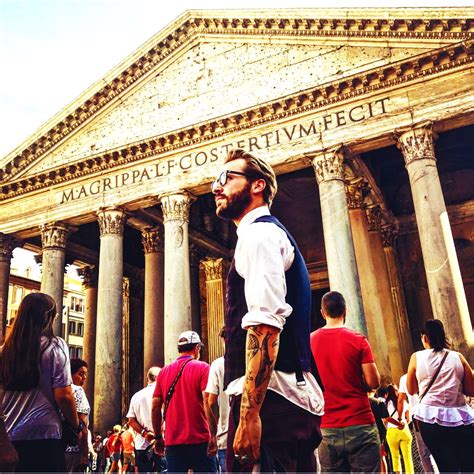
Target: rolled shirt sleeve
263	255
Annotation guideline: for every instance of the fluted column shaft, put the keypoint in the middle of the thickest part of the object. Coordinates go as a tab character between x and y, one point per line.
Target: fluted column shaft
153	340
448	298
53	239
108	376
340	256
7	245
398	298
369	273
215	293
89	283
177	275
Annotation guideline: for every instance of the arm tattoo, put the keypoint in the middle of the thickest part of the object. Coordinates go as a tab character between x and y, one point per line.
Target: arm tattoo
266	363
252	345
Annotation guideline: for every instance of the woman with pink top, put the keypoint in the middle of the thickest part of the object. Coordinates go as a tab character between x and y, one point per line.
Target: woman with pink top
442	378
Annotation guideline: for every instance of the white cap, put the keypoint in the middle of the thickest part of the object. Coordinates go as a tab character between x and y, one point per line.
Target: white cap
189	337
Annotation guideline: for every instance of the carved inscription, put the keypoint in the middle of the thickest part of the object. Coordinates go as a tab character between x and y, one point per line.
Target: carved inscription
314	128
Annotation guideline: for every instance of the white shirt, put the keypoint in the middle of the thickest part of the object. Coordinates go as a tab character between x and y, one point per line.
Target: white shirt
140	409
262	256
215	385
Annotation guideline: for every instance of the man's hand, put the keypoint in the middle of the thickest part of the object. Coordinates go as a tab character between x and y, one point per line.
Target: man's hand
212	446
149	436
247	440
262	351
159	447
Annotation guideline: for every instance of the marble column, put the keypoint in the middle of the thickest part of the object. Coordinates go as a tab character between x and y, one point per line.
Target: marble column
89	283
108	375
7	244
398	298
125	346
53	239
153	342
177	276
340	255
194	261
372	298
392	336
215	294
447	295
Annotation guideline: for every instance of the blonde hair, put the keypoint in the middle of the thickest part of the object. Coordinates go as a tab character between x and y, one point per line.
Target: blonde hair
256	168
117	428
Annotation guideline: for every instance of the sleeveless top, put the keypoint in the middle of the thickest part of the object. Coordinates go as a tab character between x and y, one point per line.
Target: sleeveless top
444	403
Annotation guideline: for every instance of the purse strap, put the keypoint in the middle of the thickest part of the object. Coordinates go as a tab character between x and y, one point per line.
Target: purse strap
432	381
170	393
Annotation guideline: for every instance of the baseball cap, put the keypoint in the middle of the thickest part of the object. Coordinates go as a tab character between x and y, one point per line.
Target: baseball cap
189	337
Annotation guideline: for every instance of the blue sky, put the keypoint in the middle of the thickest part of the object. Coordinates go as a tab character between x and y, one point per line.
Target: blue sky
52	50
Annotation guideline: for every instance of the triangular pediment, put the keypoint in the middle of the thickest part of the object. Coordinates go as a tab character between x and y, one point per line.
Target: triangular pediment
207	65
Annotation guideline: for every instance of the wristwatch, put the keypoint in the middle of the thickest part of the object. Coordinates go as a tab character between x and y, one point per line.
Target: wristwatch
80	426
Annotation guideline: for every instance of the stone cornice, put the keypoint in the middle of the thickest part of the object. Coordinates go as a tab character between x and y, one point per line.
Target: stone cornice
422	65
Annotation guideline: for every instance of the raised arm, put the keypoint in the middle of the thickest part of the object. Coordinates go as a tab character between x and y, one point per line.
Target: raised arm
262	351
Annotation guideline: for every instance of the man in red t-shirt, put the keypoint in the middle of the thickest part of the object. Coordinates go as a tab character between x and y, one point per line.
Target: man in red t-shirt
186	430
347	368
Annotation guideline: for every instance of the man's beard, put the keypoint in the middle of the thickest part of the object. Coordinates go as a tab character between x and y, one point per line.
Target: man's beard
235	205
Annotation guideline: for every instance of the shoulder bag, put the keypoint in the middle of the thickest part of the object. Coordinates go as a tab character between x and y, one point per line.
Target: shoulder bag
170	393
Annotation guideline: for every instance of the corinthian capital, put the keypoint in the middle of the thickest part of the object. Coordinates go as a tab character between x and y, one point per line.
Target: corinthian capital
329	165
356	190
7	244
176	206
54	235
111	220
151	240
89	276
213	268
374	217
417	142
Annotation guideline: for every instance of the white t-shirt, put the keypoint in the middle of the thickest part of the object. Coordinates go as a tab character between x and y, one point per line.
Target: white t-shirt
140	409
215	385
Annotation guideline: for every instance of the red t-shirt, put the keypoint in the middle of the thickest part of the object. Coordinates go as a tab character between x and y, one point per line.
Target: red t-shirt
114	444
185	419
339	354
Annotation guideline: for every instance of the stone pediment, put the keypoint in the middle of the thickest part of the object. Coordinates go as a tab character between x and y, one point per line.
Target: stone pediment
208	72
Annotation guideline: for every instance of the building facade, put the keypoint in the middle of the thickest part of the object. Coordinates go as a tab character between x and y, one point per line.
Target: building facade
23	281
367	117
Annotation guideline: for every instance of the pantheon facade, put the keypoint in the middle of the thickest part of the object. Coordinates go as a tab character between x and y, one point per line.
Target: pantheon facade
367	116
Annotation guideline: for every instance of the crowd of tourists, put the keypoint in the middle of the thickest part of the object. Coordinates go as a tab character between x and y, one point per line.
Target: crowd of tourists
282	398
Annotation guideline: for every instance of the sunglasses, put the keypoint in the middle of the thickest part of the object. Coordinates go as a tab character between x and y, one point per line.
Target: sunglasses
221	180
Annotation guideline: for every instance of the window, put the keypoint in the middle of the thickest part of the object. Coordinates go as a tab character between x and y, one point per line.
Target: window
18	294
77	304
72	327
80	329
75	352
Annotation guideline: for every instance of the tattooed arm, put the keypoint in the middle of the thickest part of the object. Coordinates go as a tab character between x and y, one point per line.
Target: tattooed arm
262	351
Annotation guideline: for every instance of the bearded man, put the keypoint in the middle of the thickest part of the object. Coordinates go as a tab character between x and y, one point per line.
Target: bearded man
275	400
